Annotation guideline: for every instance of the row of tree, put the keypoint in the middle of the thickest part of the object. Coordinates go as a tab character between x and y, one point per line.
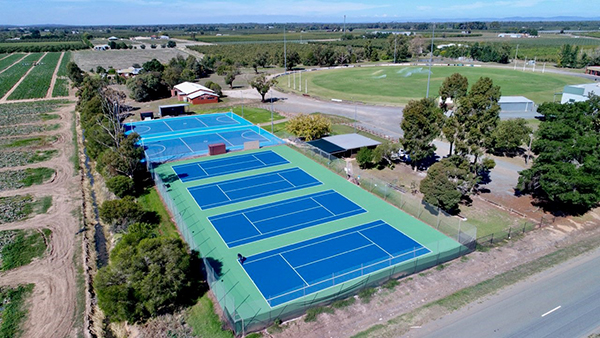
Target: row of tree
574	57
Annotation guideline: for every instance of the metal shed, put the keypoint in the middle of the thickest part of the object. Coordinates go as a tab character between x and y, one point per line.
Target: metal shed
174	109
343	145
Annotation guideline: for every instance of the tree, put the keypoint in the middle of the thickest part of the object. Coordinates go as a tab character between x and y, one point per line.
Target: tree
146	276
143	46
566	173
262	85
293	58
147	87
364	157
421	123
309	127
121	186
124	158
214	87
454	88
171	44
508	137
384	152
121	213
478	116
153	66
74	73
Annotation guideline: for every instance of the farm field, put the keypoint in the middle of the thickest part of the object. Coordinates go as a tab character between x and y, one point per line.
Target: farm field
9	60
61	86
90	59
37	82
396	85
13	74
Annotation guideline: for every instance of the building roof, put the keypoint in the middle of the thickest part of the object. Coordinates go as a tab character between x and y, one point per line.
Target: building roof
130	70
339	143
200	93
583	89
189	87
594	67
113	38
174	105
514	99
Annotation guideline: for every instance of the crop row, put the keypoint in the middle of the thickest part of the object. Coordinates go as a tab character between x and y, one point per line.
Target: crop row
18	142
19	158
6	120
37	82
16	179
9	60
27	129
61	87
36	107
13	74
15	208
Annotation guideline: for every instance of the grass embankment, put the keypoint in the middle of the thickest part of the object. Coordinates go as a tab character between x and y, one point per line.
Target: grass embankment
398	85
13	310
20	247
151	201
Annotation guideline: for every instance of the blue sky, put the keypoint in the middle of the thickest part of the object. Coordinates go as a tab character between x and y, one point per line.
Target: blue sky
98	12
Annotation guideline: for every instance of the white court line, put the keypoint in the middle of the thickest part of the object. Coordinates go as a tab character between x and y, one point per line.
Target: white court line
218	186
197	119
377	245
322	206
549	312
252	223
292	184
307	245
168	126
258	159
180	139
339	254
254	186
224	139
288	263
200	166
287	214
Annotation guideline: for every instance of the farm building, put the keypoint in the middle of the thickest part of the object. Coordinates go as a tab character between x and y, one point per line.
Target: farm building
113	38
184	92
344	145
173	110
101	47
580	92
129	72
593	70
516	104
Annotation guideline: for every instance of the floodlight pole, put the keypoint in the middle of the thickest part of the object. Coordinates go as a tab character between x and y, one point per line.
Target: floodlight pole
430	62
241	92
395	46
284	52
271	112
516	54
354	115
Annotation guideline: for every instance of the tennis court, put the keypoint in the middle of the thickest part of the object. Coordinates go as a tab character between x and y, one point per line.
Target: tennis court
268	220
251	187
223	166
306	267
184	123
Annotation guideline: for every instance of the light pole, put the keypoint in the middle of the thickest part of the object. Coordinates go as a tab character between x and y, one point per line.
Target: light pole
354	114
430	62
271	112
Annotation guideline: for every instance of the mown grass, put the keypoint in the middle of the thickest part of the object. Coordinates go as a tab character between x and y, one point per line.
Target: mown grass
279	130
204	321
339	129
37	176
24	247
398	85
13	310
252	114
151	201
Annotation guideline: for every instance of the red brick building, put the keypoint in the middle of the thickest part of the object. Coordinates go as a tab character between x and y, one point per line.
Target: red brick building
593	70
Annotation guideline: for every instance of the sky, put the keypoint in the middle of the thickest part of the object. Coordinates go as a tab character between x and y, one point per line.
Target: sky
139	12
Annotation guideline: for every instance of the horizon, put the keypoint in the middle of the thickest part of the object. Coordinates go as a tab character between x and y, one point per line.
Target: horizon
187	12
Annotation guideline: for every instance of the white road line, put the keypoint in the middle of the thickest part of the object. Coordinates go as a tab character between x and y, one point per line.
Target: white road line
549	312
186	144
252	223
280	255
368	239
322	206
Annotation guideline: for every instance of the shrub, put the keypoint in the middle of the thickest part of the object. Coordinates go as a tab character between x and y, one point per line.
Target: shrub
121	186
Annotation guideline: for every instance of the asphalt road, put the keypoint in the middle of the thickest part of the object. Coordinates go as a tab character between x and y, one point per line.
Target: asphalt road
561	302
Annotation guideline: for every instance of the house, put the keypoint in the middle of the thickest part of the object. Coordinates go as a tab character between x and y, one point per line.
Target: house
580	92
129	72
184	92
101	47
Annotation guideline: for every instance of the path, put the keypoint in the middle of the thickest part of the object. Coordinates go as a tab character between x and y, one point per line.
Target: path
53	81
14	63
52	304
2	100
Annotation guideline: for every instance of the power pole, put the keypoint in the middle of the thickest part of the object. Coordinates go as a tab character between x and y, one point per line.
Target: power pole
284	52
395	46
430	62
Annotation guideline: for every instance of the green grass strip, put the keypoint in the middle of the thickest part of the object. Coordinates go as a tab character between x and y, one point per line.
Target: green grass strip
204	321
151	201
24	247
13	312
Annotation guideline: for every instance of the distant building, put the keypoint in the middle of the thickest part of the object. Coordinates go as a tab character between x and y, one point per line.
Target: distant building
102	47
511	35
344	145
580	92
129	72
113	38
516	104
593	70
194	93
164	37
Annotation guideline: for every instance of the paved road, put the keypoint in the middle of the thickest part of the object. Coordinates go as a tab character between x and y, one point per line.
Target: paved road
561	302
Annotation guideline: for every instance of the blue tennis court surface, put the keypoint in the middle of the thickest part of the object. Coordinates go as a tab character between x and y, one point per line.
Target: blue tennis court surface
251	187
223	166
184	123
290	272
253	224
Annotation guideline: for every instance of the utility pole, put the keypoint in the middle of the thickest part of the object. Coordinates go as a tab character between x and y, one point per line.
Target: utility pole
284	52
344	24
516	54
354	115
271	111
395	46
430	62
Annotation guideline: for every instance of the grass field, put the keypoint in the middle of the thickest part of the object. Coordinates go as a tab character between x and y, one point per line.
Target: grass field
13	74
123	58
20	247
13	310
398	85
37	82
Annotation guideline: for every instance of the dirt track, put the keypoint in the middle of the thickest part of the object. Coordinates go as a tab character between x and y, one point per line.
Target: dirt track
52	304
